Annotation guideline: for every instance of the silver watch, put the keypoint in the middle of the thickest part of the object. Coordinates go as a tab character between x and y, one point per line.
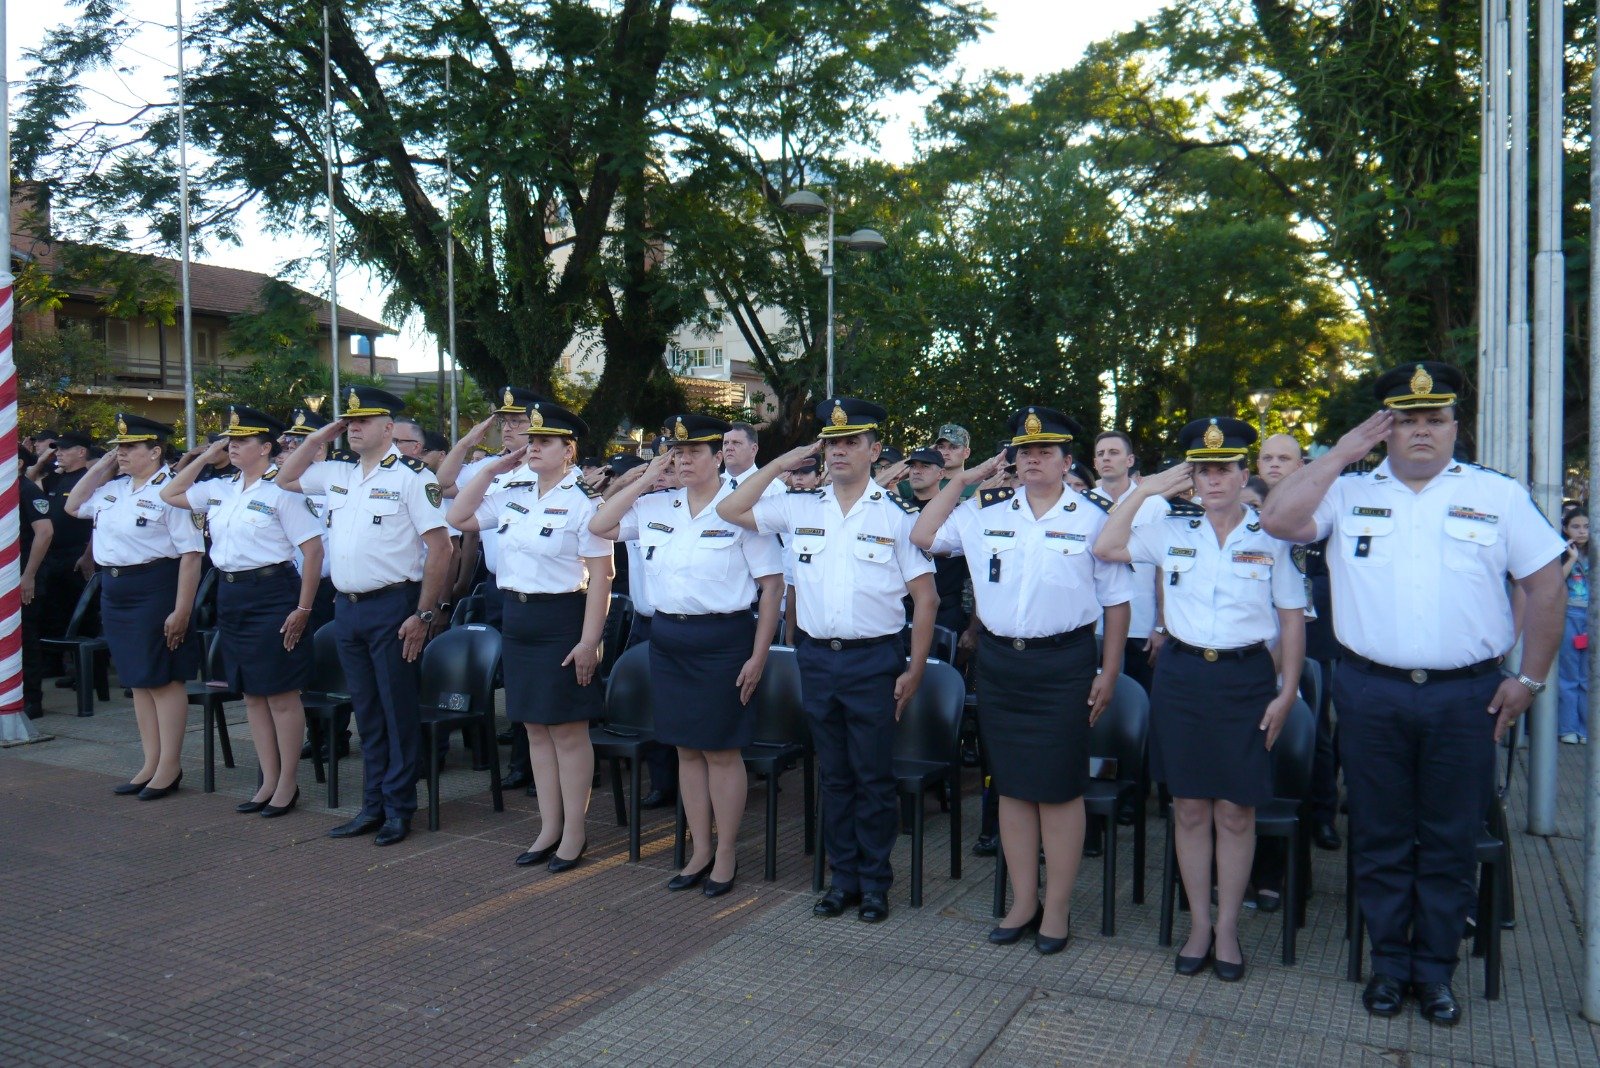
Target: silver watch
1534	686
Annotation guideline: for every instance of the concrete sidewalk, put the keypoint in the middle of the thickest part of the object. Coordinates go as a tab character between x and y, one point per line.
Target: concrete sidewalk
177	933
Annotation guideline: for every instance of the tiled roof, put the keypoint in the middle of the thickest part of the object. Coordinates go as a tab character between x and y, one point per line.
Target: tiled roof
215	290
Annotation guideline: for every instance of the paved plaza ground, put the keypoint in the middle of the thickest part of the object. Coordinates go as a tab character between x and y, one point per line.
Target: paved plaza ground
179	933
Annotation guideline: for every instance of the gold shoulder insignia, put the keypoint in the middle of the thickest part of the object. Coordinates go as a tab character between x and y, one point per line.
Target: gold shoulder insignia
1184	510
270	475
388	461
1098	501
995	496
588	490
900	503
344	456
160	478
415	464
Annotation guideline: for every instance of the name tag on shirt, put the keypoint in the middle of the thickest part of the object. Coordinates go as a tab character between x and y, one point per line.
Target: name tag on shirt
555	511
716	533
338	489
999	533
1066	535
1179	550
515	507
661	527
1476	517
1378	513
145	502
801	531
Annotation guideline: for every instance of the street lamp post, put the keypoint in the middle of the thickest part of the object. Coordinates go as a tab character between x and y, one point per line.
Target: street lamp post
1261	401
804	202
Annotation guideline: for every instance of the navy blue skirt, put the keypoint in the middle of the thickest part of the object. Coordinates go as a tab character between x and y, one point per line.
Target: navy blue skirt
133	610
1033	717
536	636
1205	727
694	665
250	612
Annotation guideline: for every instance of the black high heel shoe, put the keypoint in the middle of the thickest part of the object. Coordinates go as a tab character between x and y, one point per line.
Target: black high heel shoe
716	889
690	880
560	864
247	807
272	811
1048	944
1008	936
1195	965
538	856
129	788
1228	972
156	793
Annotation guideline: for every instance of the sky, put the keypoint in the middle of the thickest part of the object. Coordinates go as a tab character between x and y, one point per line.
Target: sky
1027	37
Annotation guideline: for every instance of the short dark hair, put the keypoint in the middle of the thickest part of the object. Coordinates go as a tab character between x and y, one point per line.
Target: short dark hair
409	421
748	431
1259	484
1118	434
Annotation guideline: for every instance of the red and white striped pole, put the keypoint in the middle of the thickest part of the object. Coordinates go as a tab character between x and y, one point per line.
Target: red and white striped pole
14	725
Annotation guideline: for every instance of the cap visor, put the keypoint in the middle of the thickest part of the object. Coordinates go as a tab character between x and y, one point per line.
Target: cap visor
1041	439
1214	455
363	413
846	431
1424	400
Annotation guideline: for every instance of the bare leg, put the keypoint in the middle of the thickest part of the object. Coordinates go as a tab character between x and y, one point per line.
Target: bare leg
259	715
729	785
144	714
575	763
1061	827
1019	837
172	717
1192	821
1236	848
695	791
547	783
288	725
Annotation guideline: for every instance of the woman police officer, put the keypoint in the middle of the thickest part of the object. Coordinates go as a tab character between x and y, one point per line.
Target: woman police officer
707	651
263	600
1039	594
149	559
1216	702
555	579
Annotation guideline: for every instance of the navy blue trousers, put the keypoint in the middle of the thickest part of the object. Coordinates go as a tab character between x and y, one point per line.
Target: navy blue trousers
1419	772
849	699
383	690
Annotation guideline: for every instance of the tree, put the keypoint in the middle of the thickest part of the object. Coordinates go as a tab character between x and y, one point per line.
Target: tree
53	372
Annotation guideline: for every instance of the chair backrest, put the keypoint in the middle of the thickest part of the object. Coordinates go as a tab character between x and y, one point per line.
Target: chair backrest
214	670
1311	683
327	673
1123	729
780	713
930	727
628	690
943	646
458	669
614	637
470	609
204	611
80	611
1293	754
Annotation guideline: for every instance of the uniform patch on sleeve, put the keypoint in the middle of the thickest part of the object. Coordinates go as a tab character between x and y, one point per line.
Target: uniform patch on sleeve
434	494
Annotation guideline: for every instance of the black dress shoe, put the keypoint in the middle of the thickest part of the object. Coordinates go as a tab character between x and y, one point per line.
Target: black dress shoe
129	788
1006	936
537	856
516	780
986	845
658	799
305	749
156	793
716	889
33	709
1384	995
247	807
690	880
272	812
1438	1003
504	737
1195	965
1227	971
559	864
835	901
1094	846
1324	835
1046	944
874	906
393	830
1268	901
357	827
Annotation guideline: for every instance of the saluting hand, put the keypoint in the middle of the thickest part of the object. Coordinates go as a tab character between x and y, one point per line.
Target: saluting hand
477	432
509	461
1277	712
1356	443
585	658
988	469
791	460
293	627
892	474
1177	480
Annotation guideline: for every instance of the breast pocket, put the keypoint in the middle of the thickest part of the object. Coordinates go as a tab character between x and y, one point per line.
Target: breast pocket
1251	570
383	512
547	535
869	549
653	549
1368	539
1176	567
808	545
1469	545
1064	561
336	505
714	559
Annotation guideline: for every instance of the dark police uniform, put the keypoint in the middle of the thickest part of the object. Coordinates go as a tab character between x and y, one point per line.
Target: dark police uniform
850	571
1420	605
60	572
949	572
375	525
32	507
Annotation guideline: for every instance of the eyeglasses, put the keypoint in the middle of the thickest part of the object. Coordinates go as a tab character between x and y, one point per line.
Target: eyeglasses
408	441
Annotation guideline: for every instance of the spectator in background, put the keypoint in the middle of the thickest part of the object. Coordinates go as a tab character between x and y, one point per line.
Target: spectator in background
1574	658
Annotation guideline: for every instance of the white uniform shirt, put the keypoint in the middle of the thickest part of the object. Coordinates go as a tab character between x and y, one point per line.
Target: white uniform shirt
135	526
850	571
1033	578
375	520
697	564
1419	578
543	540
638	581
488	537
775	486
254	526
1142	605
1220	596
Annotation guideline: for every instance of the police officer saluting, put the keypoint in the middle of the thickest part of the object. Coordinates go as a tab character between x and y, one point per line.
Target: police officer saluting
1418	550
263	600
150	554
382	509
853	564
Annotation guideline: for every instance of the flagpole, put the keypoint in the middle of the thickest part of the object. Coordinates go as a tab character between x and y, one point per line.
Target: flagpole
183	242
333	236
450	264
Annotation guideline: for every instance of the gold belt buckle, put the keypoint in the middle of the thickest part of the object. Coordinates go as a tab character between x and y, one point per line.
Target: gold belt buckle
1419	676
1210	655
1018	644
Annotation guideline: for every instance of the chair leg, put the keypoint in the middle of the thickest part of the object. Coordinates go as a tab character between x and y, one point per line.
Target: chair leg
1489	925
318	732
208	714
635	772
1291	896
616	792
1108	879
810	764
955	822
917	820
485	740
1505	889
999	904
100	663
83	667
333	765
819	856
678	832
430	734
1169	864
770	874
1140	813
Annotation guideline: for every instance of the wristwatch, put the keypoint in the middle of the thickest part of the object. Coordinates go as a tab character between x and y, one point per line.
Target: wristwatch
425	615
1534	686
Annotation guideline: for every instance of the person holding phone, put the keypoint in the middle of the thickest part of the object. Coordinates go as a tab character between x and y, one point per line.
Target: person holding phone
1572	666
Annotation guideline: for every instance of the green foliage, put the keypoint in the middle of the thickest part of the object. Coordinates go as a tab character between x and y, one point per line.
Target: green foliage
274	382
54	371
426	405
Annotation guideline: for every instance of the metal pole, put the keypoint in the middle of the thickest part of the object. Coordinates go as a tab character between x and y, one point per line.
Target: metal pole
1488	185
450	264
827	272
333	236
1548	439
1591	786
1517	328
183	244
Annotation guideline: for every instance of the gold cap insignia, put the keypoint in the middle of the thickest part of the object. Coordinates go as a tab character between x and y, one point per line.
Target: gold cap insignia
299	418
233	417
507	399
1031	425
535	418
355	398
1213	438
122	427
838	418
680	431
1421	382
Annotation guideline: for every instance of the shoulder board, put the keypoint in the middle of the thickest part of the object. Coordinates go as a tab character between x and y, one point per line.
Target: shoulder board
270	475
237	475
1480	467
899	501
1184	510
1098	501
344	456
412	462
588	490
389	461
517	485
160	478
808	492
995	496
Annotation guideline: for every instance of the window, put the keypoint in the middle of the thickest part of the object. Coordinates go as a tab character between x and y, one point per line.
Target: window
693	359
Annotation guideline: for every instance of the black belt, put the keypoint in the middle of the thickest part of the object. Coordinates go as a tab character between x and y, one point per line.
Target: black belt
252	573
1213	655
534	598
837	644
1052	641
1424	675
136	569
743	613
369	595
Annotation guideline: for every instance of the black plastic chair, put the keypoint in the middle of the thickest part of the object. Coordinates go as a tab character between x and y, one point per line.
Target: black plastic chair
943	647
1311	683
326	702
203	612
457	690
89	652
210	691
628	727
1281	817
470	609
614	636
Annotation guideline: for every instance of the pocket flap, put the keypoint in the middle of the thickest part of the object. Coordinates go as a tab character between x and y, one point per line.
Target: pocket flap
875	548
1366	526
1473	530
